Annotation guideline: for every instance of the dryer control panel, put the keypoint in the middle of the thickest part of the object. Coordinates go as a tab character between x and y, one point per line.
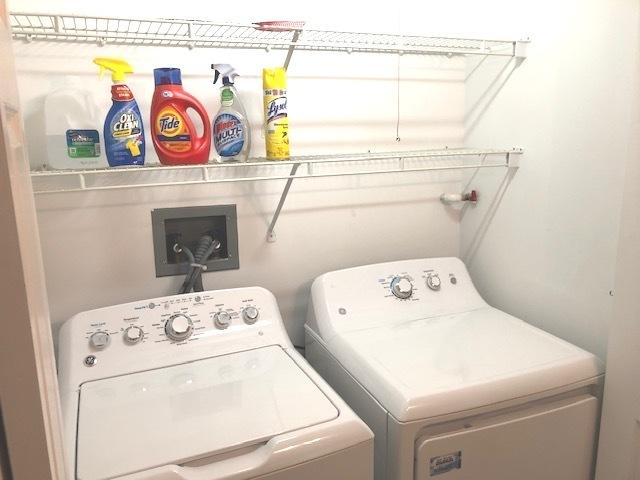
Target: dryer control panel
388	293
167	330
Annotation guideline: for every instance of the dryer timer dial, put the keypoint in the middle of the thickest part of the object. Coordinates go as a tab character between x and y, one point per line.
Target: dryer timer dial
401	287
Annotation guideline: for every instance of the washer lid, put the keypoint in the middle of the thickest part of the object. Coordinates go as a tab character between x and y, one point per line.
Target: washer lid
176	414
434	366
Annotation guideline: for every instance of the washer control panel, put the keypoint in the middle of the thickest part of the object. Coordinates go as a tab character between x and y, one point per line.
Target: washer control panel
164	331
174	322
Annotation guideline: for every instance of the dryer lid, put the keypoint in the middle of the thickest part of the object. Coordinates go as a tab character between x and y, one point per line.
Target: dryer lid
181	413
452	363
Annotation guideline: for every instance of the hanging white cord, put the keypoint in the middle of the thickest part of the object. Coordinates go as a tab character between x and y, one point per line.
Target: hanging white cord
398	101
399	29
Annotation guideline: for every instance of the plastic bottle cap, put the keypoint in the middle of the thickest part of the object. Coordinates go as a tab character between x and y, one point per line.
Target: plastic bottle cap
167	76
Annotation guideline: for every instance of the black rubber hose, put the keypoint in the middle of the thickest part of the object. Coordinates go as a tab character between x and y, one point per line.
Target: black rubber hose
215	246
204	249
191	260
200	250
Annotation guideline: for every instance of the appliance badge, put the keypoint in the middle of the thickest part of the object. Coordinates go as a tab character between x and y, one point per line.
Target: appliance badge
445	463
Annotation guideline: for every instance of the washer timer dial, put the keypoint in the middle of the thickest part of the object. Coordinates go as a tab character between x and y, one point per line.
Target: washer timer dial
401	287
179	327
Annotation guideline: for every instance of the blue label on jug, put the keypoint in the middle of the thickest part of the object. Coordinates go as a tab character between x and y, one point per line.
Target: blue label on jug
83	143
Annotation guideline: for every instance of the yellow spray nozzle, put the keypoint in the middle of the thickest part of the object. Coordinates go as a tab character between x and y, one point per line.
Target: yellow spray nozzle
118	68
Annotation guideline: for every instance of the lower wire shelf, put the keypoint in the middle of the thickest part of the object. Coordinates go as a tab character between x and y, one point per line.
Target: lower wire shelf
260	169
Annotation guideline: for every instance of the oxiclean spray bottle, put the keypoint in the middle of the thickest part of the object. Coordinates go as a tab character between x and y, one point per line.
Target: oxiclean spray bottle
123	130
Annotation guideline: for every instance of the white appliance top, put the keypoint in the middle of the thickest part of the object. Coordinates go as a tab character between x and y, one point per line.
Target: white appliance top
201	385
177	414
441	349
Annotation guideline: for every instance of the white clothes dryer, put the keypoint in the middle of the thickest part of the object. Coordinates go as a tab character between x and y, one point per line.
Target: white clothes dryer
202	386
452	388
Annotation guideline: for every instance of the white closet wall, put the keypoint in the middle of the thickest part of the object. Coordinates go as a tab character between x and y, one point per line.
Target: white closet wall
541	245
98	247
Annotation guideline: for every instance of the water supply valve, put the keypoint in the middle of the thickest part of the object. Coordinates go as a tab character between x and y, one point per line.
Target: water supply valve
454	198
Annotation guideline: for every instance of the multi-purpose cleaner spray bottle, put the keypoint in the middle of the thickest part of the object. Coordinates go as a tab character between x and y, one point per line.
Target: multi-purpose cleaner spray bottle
123	130
231	134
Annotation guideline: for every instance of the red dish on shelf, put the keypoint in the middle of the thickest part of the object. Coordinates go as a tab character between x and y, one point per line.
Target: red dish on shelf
278	26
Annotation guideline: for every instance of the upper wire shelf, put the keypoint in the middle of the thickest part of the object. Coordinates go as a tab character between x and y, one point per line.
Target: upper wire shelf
315	166
199	33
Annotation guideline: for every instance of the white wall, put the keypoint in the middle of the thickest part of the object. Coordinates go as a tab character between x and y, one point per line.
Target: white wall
97	246
542	244
619	454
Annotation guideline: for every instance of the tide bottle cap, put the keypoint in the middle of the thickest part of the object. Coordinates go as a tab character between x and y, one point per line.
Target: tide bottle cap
167	76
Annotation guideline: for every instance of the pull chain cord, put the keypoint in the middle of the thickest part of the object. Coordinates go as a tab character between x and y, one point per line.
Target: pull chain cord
399	27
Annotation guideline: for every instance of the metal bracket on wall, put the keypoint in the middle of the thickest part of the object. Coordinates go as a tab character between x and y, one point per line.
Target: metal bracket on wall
292	47
271	235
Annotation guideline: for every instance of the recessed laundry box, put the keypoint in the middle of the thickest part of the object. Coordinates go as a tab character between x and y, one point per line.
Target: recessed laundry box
452	387
202	386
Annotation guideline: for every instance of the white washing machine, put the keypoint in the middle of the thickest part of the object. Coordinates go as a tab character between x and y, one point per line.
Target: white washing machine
203	386
452	388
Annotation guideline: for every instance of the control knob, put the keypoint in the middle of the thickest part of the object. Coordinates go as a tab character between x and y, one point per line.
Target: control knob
222	320
179	327
401	287
99	340
433	282
250	315
133	335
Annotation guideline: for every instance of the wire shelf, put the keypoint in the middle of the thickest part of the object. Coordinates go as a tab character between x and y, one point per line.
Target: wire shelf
316	166
198	33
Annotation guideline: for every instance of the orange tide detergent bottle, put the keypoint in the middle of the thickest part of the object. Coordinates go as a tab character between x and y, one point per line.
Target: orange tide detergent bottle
174	134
